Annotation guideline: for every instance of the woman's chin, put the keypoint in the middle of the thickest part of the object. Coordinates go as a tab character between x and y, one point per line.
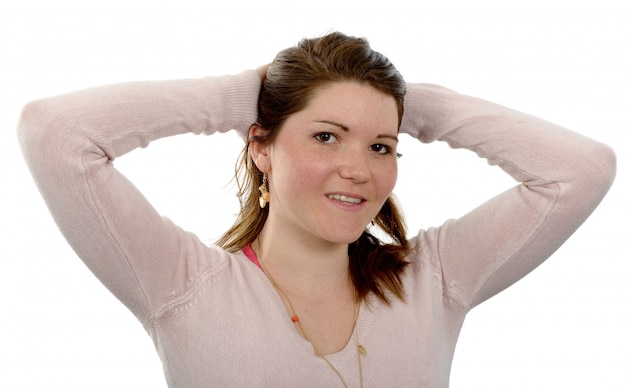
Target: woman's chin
345	237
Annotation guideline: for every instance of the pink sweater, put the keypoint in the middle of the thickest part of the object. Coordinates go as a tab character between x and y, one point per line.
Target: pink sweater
214	317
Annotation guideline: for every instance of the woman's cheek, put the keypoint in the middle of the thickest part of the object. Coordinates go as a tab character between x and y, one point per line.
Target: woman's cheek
388	176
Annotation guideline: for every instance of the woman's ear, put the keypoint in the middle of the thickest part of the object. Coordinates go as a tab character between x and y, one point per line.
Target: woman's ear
259	150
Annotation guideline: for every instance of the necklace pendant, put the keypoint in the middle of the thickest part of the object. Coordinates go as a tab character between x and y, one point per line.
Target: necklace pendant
361	350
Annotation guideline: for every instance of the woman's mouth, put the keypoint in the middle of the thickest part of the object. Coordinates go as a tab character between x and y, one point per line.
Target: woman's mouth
345	199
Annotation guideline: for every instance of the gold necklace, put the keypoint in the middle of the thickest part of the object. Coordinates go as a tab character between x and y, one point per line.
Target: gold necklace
360	350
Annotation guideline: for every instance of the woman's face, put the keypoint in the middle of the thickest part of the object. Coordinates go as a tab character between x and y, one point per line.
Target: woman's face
333	164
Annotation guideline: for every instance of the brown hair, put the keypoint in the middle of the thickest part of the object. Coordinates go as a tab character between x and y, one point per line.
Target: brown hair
294	75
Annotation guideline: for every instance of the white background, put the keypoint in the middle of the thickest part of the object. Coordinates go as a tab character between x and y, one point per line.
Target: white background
561	326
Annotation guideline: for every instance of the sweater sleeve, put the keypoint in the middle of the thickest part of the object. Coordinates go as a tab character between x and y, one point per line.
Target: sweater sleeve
562	177
70	143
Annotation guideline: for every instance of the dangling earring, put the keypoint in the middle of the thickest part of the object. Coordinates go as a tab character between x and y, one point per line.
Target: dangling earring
264	199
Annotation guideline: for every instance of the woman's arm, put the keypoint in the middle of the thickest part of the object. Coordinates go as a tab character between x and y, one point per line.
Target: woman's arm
70	143
563	176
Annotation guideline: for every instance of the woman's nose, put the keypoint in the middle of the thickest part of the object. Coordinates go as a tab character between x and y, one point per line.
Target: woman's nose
354	166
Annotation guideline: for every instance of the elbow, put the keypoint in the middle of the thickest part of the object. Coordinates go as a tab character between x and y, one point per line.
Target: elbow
31	129
34	124
598	170
39	133
607	165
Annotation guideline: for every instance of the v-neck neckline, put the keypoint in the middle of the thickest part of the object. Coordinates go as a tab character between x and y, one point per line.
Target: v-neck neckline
365	318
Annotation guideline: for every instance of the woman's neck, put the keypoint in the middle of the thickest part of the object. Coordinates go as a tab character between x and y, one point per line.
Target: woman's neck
315	268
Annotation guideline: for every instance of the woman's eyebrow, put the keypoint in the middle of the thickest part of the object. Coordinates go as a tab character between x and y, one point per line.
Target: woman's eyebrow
334	124
392	137
346	129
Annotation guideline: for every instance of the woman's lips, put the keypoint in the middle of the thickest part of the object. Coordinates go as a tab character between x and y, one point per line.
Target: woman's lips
345	198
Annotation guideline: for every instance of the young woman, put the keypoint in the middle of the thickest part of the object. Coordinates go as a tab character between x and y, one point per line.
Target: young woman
316	284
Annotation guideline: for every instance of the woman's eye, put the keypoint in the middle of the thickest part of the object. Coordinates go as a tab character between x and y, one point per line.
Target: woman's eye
380	148
326	137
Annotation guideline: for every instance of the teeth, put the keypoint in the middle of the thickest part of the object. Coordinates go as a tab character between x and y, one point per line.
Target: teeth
343	198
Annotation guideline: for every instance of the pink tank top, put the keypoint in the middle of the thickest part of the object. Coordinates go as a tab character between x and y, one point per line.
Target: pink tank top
247	250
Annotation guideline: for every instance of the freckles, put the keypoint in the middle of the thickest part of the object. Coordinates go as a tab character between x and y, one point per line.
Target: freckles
295	174
387	178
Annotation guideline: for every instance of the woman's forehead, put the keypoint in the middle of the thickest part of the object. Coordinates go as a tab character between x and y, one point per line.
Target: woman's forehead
350	105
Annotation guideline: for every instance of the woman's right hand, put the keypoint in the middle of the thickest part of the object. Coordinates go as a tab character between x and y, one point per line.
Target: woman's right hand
262	71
